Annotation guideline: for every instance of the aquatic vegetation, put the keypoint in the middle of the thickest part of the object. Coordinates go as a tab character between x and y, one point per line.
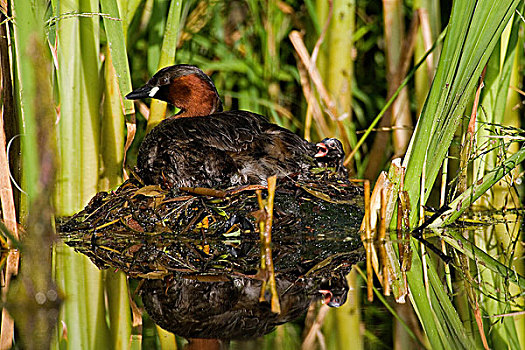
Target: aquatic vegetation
320	68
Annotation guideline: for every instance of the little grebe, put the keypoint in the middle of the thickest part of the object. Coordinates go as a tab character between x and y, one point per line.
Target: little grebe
202	146
331	154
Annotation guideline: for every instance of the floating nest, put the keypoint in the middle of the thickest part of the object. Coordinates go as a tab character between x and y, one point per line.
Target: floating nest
195	246
150	232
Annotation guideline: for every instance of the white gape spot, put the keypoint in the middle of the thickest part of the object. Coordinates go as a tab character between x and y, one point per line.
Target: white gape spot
153	91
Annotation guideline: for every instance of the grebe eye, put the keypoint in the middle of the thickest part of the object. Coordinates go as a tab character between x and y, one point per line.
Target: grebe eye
164	81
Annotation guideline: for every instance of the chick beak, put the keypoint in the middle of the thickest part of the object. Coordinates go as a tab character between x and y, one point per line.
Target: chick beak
323	150
327	296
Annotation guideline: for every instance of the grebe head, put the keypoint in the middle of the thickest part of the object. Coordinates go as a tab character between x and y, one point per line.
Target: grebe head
184	86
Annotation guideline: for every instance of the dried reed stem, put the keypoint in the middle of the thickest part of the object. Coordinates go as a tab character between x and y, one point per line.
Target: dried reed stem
427	39
368	244
315	76
265	226
309	339
382	241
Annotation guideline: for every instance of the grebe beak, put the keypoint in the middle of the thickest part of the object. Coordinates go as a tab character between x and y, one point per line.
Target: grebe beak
143	92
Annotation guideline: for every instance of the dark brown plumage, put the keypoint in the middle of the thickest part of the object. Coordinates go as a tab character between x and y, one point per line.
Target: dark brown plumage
202	146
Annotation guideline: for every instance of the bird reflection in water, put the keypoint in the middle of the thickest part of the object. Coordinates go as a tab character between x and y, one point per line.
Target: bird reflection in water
231	309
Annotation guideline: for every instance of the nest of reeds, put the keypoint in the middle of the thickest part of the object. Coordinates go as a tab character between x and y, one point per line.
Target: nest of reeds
150	232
